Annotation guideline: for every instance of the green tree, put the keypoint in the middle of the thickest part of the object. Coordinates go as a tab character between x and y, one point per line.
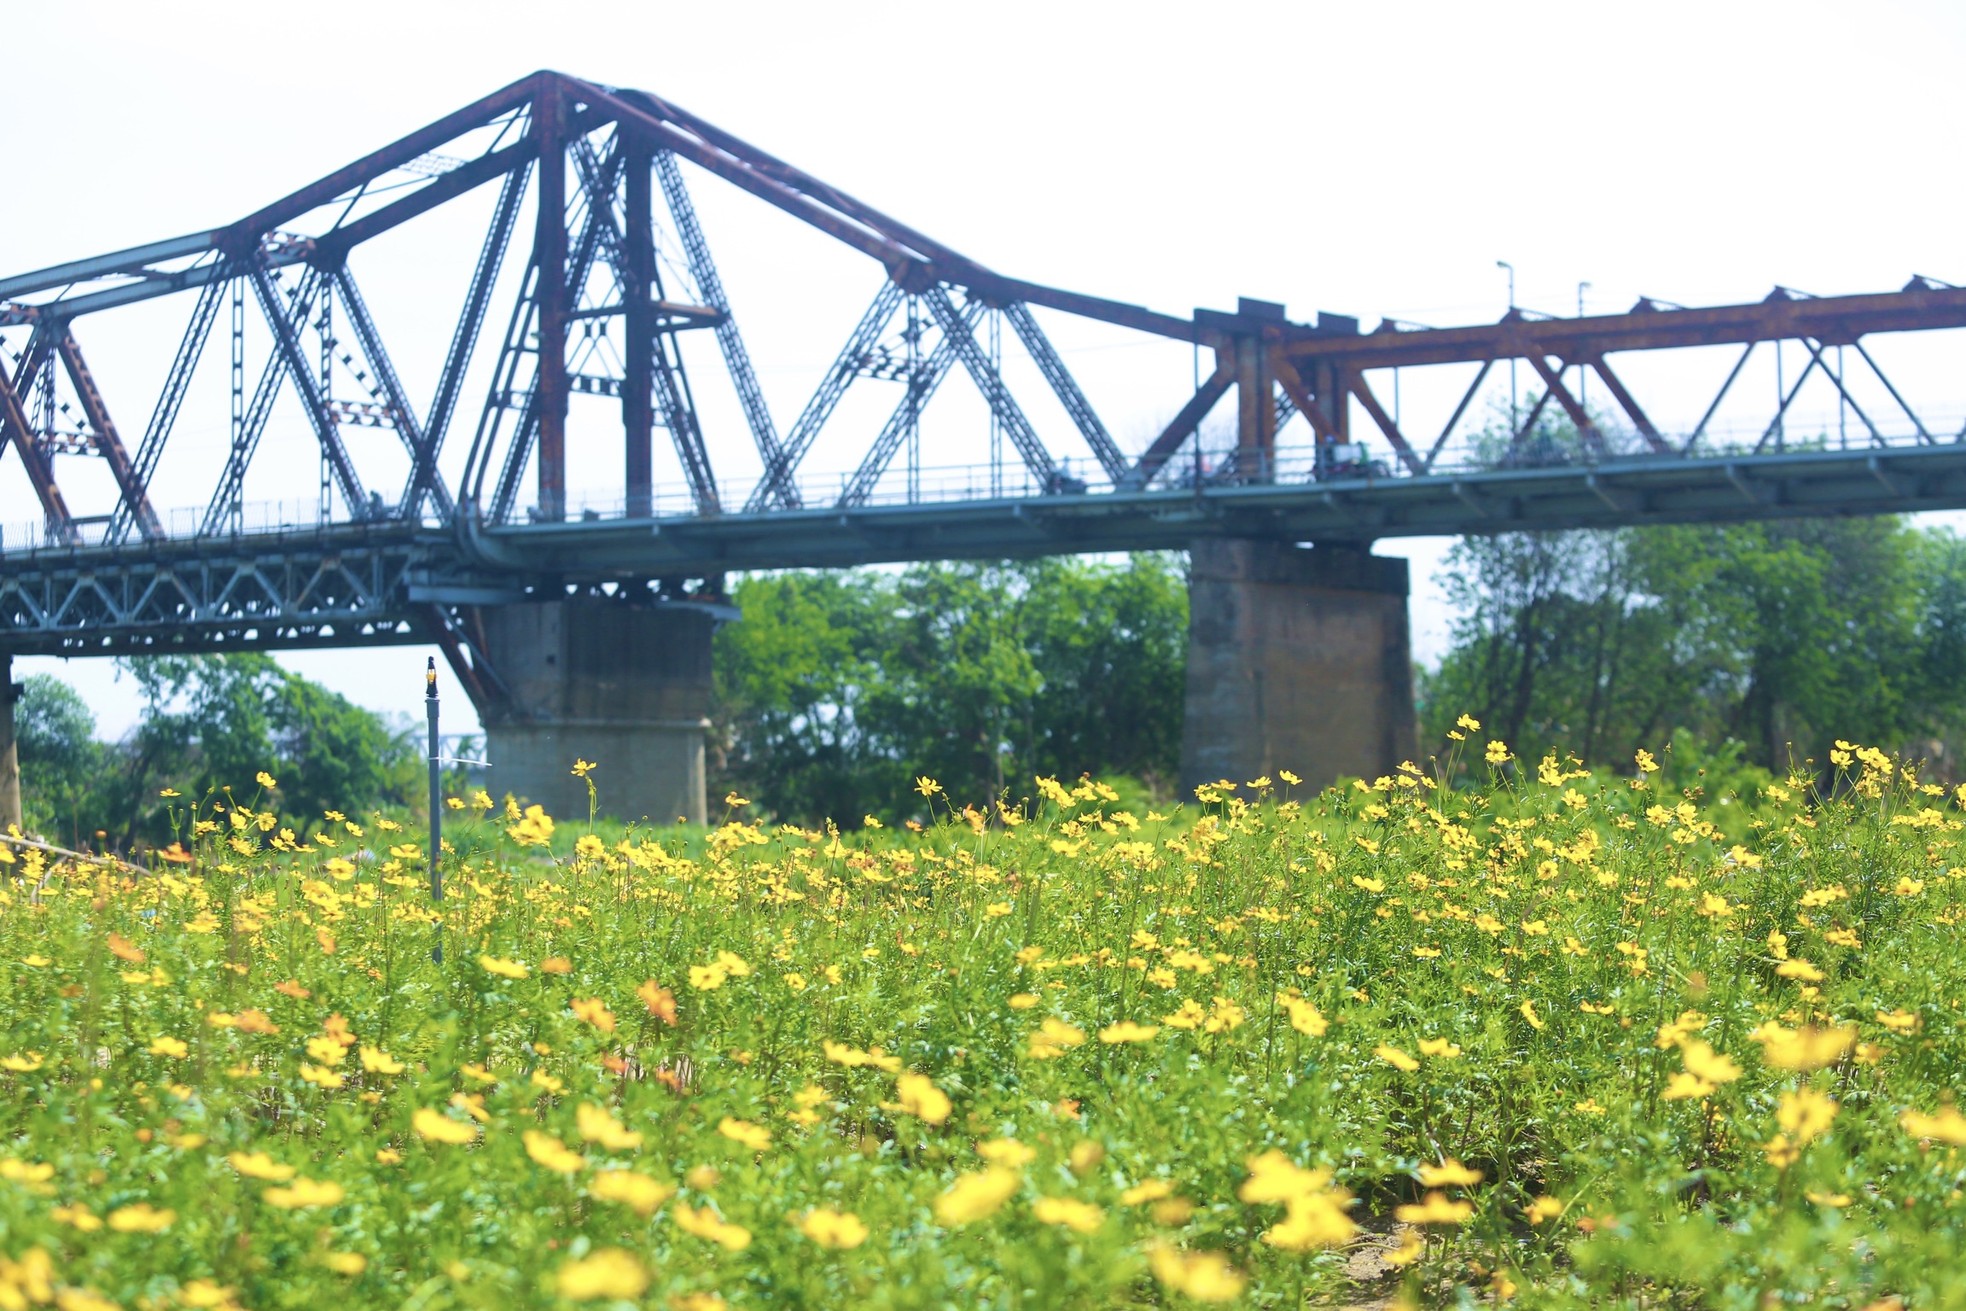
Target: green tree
790	678
835	690
1110	646
60	759
1781	635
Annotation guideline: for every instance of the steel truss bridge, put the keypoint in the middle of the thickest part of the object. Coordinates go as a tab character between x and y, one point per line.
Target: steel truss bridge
613	272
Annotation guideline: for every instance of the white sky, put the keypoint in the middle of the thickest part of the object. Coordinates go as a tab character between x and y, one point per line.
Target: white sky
1365	159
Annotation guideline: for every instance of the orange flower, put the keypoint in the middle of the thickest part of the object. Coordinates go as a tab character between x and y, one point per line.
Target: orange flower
595	1012
659	1000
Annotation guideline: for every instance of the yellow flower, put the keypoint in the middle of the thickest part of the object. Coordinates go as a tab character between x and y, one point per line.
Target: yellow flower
1435	1209
1069	1212
1053	1038
1151	1191
1805	1114
1646	764
507	969
1685	1086
320	1076
303	1193
1313	1220
78	1216
377	1061
440	1128
82	1299
607	1273
1804	1049
598	1126
854	1058
22	1063
594	1011
326	1051
1223	1016
1439	1047
1704	1063
1947	1126
636	1191
1498	752
1127	1031
165	1045
754	1136
1190	1016
258	1165
706	1223
1449	1174
1304	1017
919	1097
1006	1152
1528	1009
1800	970
141	1218
582	768
838	1230
345	1263
1204	1276
975	1196
1543	1208
550	1153
1274	1177
1396	1058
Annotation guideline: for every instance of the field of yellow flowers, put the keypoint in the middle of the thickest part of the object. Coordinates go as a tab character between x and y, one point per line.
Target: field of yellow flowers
1557	1039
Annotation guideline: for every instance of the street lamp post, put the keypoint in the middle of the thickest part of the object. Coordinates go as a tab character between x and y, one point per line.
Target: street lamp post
1504	264
1583	373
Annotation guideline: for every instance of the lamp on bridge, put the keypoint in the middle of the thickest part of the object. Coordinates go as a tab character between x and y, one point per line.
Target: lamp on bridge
1510	268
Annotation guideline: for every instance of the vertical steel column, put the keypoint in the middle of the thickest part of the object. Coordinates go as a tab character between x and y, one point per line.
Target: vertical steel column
436	805
637	399
9	754
550	254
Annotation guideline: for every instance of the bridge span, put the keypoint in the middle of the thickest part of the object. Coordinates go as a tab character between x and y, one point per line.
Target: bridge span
582	625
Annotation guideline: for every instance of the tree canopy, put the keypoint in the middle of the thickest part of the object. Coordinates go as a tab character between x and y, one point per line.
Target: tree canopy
835	690
1783	635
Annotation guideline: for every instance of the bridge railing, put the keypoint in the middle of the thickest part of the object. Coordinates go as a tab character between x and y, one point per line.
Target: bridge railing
1212	465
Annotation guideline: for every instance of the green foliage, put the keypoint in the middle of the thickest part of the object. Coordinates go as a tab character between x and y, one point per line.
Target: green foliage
835	689
209	722
1781	635
54	732
1551	1041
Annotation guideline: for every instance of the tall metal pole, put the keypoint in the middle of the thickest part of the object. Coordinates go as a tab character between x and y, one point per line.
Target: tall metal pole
1583	370
10	812
436	804
1504	264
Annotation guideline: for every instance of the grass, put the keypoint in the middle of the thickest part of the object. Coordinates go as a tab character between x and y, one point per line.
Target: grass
1557	1039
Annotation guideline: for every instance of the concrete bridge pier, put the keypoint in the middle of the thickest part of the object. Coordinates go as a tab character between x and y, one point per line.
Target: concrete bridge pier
625	684
1298	658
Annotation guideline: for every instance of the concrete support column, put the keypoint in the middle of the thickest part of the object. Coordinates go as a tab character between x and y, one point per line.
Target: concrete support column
1299	659
626	686
9	750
